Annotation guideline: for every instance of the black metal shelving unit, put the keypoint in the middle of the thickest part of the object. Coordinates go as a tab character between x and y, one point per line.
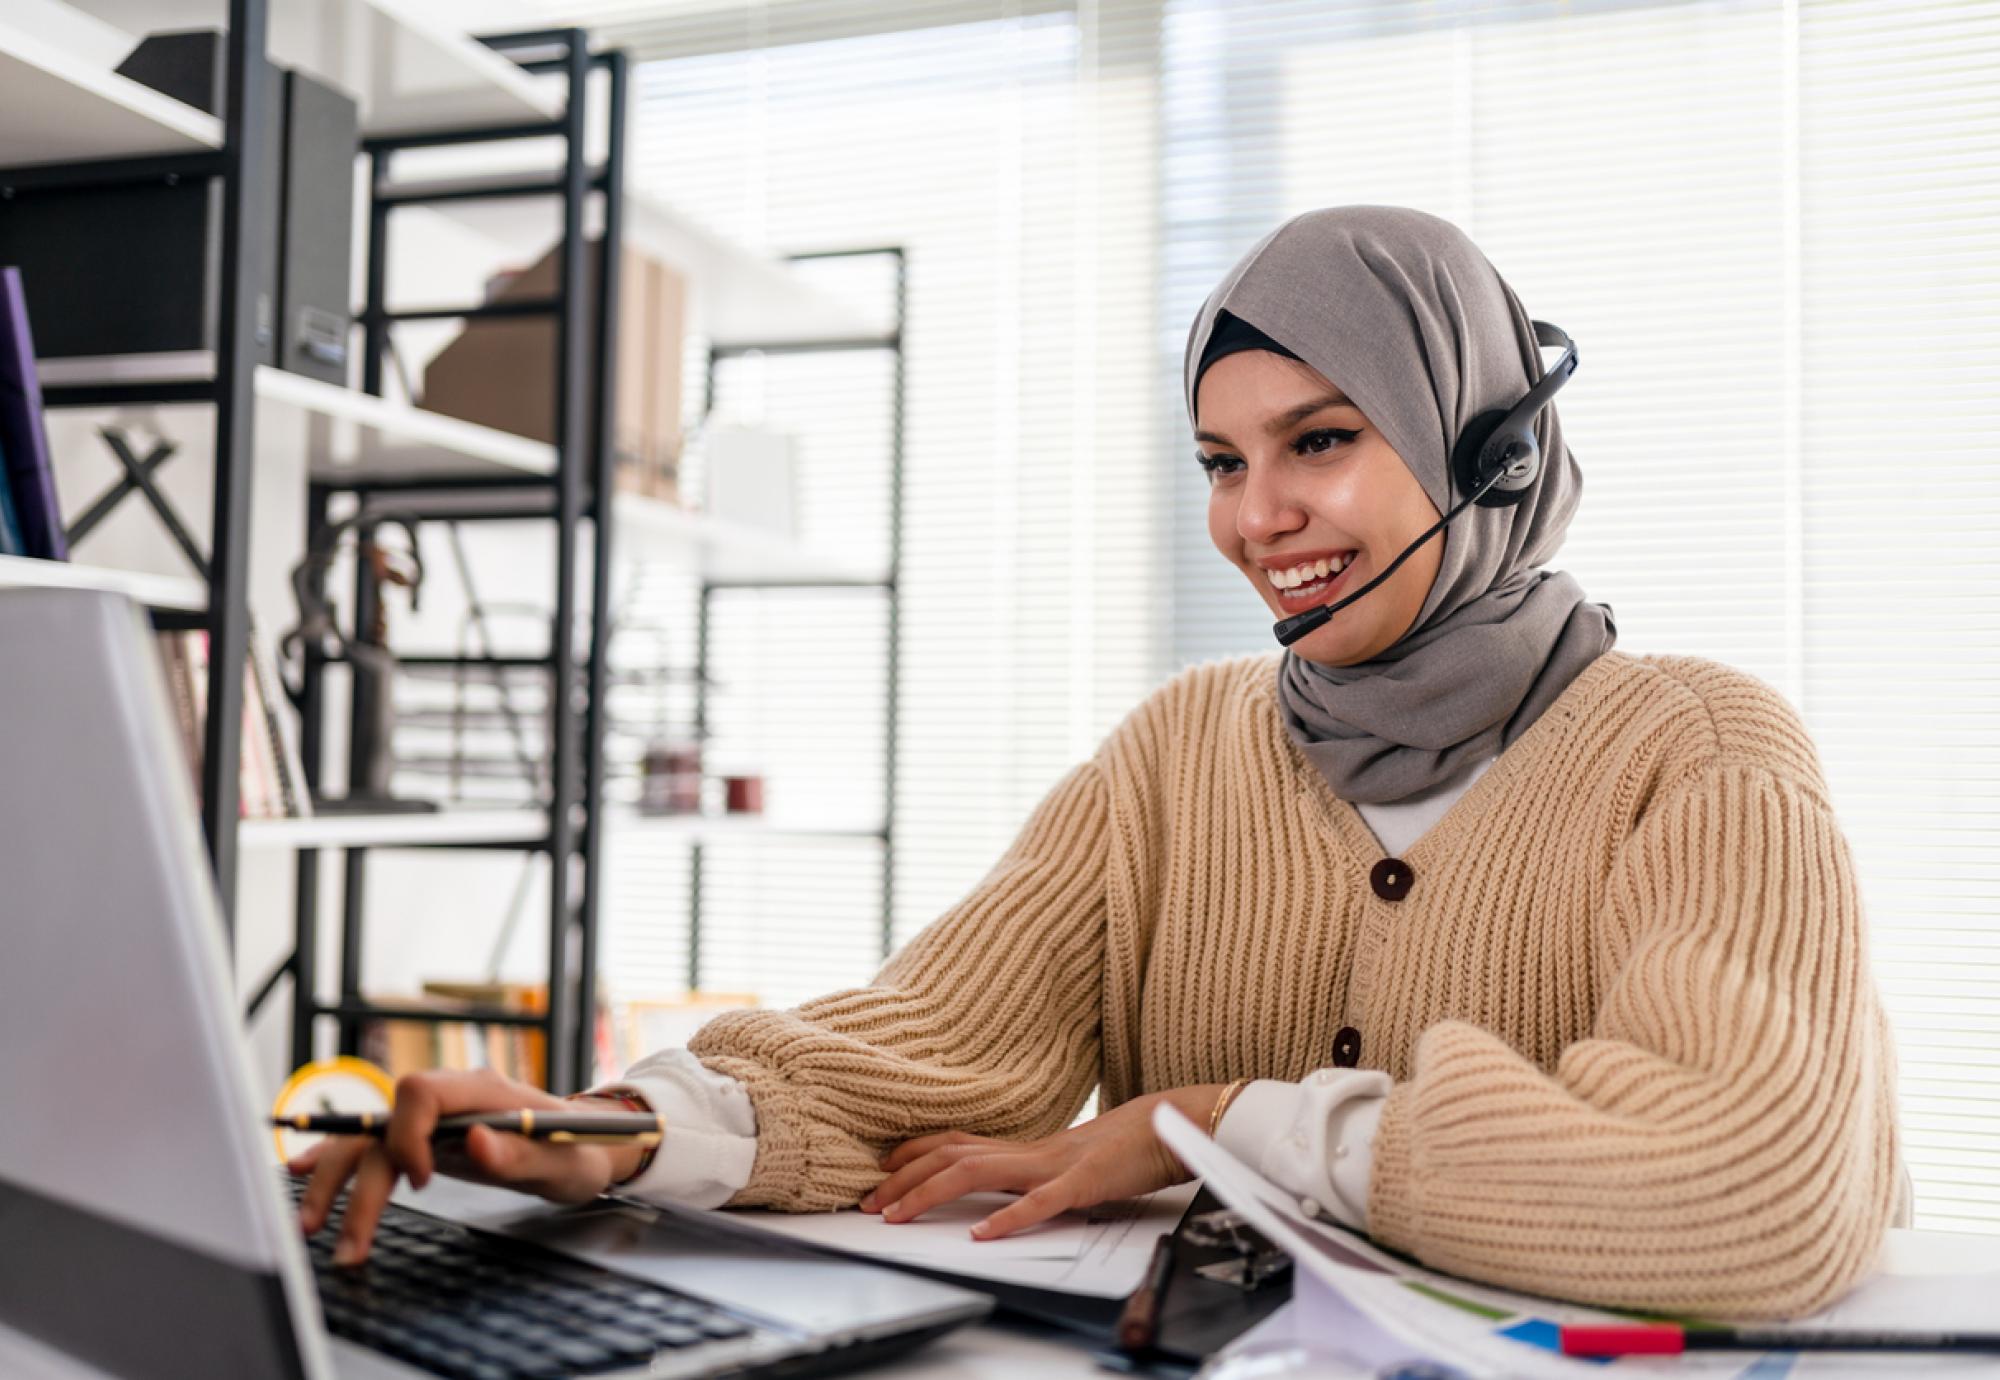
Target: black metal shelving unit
579	490
247	233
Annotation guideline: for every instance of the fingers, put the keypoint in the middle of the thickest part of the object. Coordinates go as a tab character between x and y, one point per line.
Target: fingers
422	1098
373	1182
974	1173
413	1114
303	1162
911	1150
948	1149
564	1173
334	1159
1059	1194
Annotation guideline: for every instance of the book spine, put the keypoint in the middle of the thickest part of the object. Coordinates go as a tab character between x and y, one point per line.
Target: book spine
288	764
174	658
11	541
23	435
254	793
196	646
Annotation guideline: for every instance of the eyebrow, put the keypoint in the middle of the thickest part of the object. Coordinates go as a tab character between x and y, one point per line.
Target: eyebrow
1288	418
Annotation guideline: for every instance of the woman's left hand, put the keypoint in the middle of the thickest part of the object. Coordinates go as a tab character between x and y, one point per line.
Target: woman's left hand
1113	1156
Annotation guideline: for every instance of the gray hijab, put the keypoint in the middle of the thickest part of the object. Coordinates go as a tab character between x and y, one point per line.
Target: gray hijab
1404	314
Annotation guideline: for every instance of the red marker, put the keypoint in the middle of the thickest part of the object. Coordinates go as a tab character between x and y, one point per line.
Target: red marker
1657	1339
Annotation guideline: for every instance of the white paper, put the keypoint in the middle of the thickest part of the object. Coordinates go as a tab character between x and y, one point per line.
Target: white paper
1366	1306
1102	1252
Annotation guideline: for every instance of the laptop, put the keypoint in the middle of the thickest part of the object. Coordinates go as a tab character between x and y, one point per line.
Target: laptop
148	1228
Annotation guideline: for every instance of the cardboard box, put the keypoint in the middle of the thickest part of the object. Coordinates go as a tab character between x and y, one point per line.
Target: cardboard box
501	372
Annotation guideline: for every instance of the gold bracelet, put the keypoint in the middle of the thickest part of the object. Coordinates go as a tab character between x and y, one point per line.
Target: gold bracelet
1222	1105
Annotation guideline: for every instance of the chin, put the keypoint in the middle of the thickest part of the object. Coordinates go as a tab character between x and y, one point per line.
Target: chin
1329	646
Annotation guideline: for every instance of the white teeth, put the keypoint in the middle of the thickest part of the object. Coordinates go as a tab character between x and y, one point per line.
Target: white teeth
1307	573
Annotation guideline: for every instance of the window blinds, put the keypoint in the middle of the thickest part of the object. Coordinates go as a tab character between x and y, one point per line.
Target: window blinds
1771	229
1029	616
1770	225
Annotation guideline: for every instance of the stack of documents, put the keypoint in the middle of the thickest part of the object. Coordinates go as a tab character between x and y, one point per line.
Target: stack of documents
1357	1310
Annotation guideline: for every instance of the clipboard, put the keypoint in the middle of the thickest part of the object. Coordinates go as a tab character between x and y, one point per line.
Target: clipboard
1225	1278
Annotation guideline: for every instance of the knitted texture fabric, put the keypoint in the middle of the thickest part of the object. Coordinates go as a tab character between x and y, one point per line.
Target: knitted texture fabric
1639	1059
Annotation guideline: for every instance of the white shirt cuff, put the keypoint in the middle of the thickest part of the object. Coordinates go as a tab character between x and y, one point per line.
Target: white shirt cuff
711	1138
1314	1138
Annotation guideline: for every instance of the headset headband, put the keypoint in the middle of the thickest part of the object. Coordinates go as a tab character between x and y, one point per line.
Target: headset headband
1506	437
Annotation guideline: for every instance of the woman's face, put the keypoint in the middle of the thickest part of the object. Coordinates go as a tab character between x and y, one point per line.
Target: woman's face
1298	481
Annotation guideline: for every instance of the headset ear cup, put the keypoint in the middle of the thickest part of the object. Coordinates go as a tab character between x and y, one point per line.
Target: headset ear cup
1465	471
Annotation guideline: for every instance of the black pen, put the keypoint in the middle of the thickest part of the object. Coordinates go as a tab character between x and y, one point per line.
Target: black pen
1139	1324
560	1128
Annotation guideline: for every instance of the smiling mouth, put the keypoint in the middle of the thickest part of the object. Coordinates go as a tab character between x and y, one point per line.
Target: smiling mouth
1316	589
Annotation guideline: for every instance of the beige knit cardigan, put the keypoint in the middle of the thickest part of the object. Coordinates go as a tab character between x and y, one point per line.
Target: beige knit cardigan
1638	1056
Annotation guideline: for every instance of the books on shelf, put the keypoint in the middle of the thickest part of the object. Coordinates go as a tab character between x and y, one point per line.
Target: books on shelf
30	521
272	783
516	1051
12	543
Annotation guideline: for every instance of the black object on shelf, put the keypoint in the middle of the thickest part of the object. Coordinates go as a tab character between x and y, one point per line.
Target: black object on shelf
371	805
134	265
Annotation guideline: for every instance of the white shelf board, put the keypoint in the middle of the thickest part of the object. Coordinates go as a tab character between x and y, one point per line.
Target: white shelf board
722	550
60	100
341	433
447	826
740	296
625	819
155	591
406	70
349	435
654	530
747	297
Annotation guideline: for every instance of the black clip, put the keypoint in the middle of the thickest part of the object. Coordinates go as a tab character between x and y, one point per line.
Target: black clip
1257	1261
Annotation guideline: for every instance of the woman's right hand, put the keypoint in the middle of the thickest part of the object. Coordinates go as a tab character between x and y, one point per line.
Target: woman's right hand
562	1173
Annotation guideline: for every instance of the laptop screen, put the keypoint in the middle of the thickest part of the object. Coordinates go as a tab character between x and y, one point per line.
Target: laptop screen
147	1232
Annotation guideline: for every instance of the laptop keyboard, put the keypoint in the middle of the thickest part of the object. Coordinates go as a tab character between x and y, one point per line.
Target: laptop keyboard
478	1306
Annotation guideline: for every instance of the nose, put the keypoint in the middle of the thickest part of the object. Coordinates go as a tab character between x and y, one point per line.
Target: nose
1268	508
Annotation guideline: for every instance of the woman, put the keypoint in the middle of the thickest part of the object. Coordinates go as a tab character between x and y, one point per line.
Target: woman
1539	961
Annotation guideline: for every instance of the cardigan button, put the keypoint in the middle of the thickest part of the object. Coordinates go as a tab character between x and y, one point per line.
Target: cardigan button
1391	879
1347	1048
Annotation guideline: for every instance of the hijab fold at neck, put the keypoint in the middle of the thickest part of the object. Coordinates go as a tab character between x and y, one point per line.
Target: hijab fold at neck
1403	313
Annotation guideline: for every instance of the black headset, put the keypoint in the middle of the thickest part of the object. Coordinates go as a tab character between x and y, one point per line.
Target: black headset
1494	464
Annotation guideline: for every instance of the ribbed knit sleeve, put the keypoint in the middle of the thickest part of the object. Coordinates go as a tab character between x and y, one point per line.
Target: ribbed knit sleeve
988	1021
1723	1142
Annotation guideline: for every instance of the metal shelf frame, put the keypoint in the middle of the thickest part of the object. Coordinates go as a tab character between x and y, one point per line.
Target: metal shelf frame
889	584
579	489
247	233
581	485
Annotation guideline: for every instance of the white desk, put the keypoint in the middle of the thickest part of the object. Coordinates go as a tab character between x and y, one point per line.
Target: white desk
1006	1351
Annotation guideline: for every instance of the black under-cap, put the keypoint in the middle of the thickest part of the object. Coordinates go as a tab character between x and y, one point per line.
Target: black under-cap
1233	333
